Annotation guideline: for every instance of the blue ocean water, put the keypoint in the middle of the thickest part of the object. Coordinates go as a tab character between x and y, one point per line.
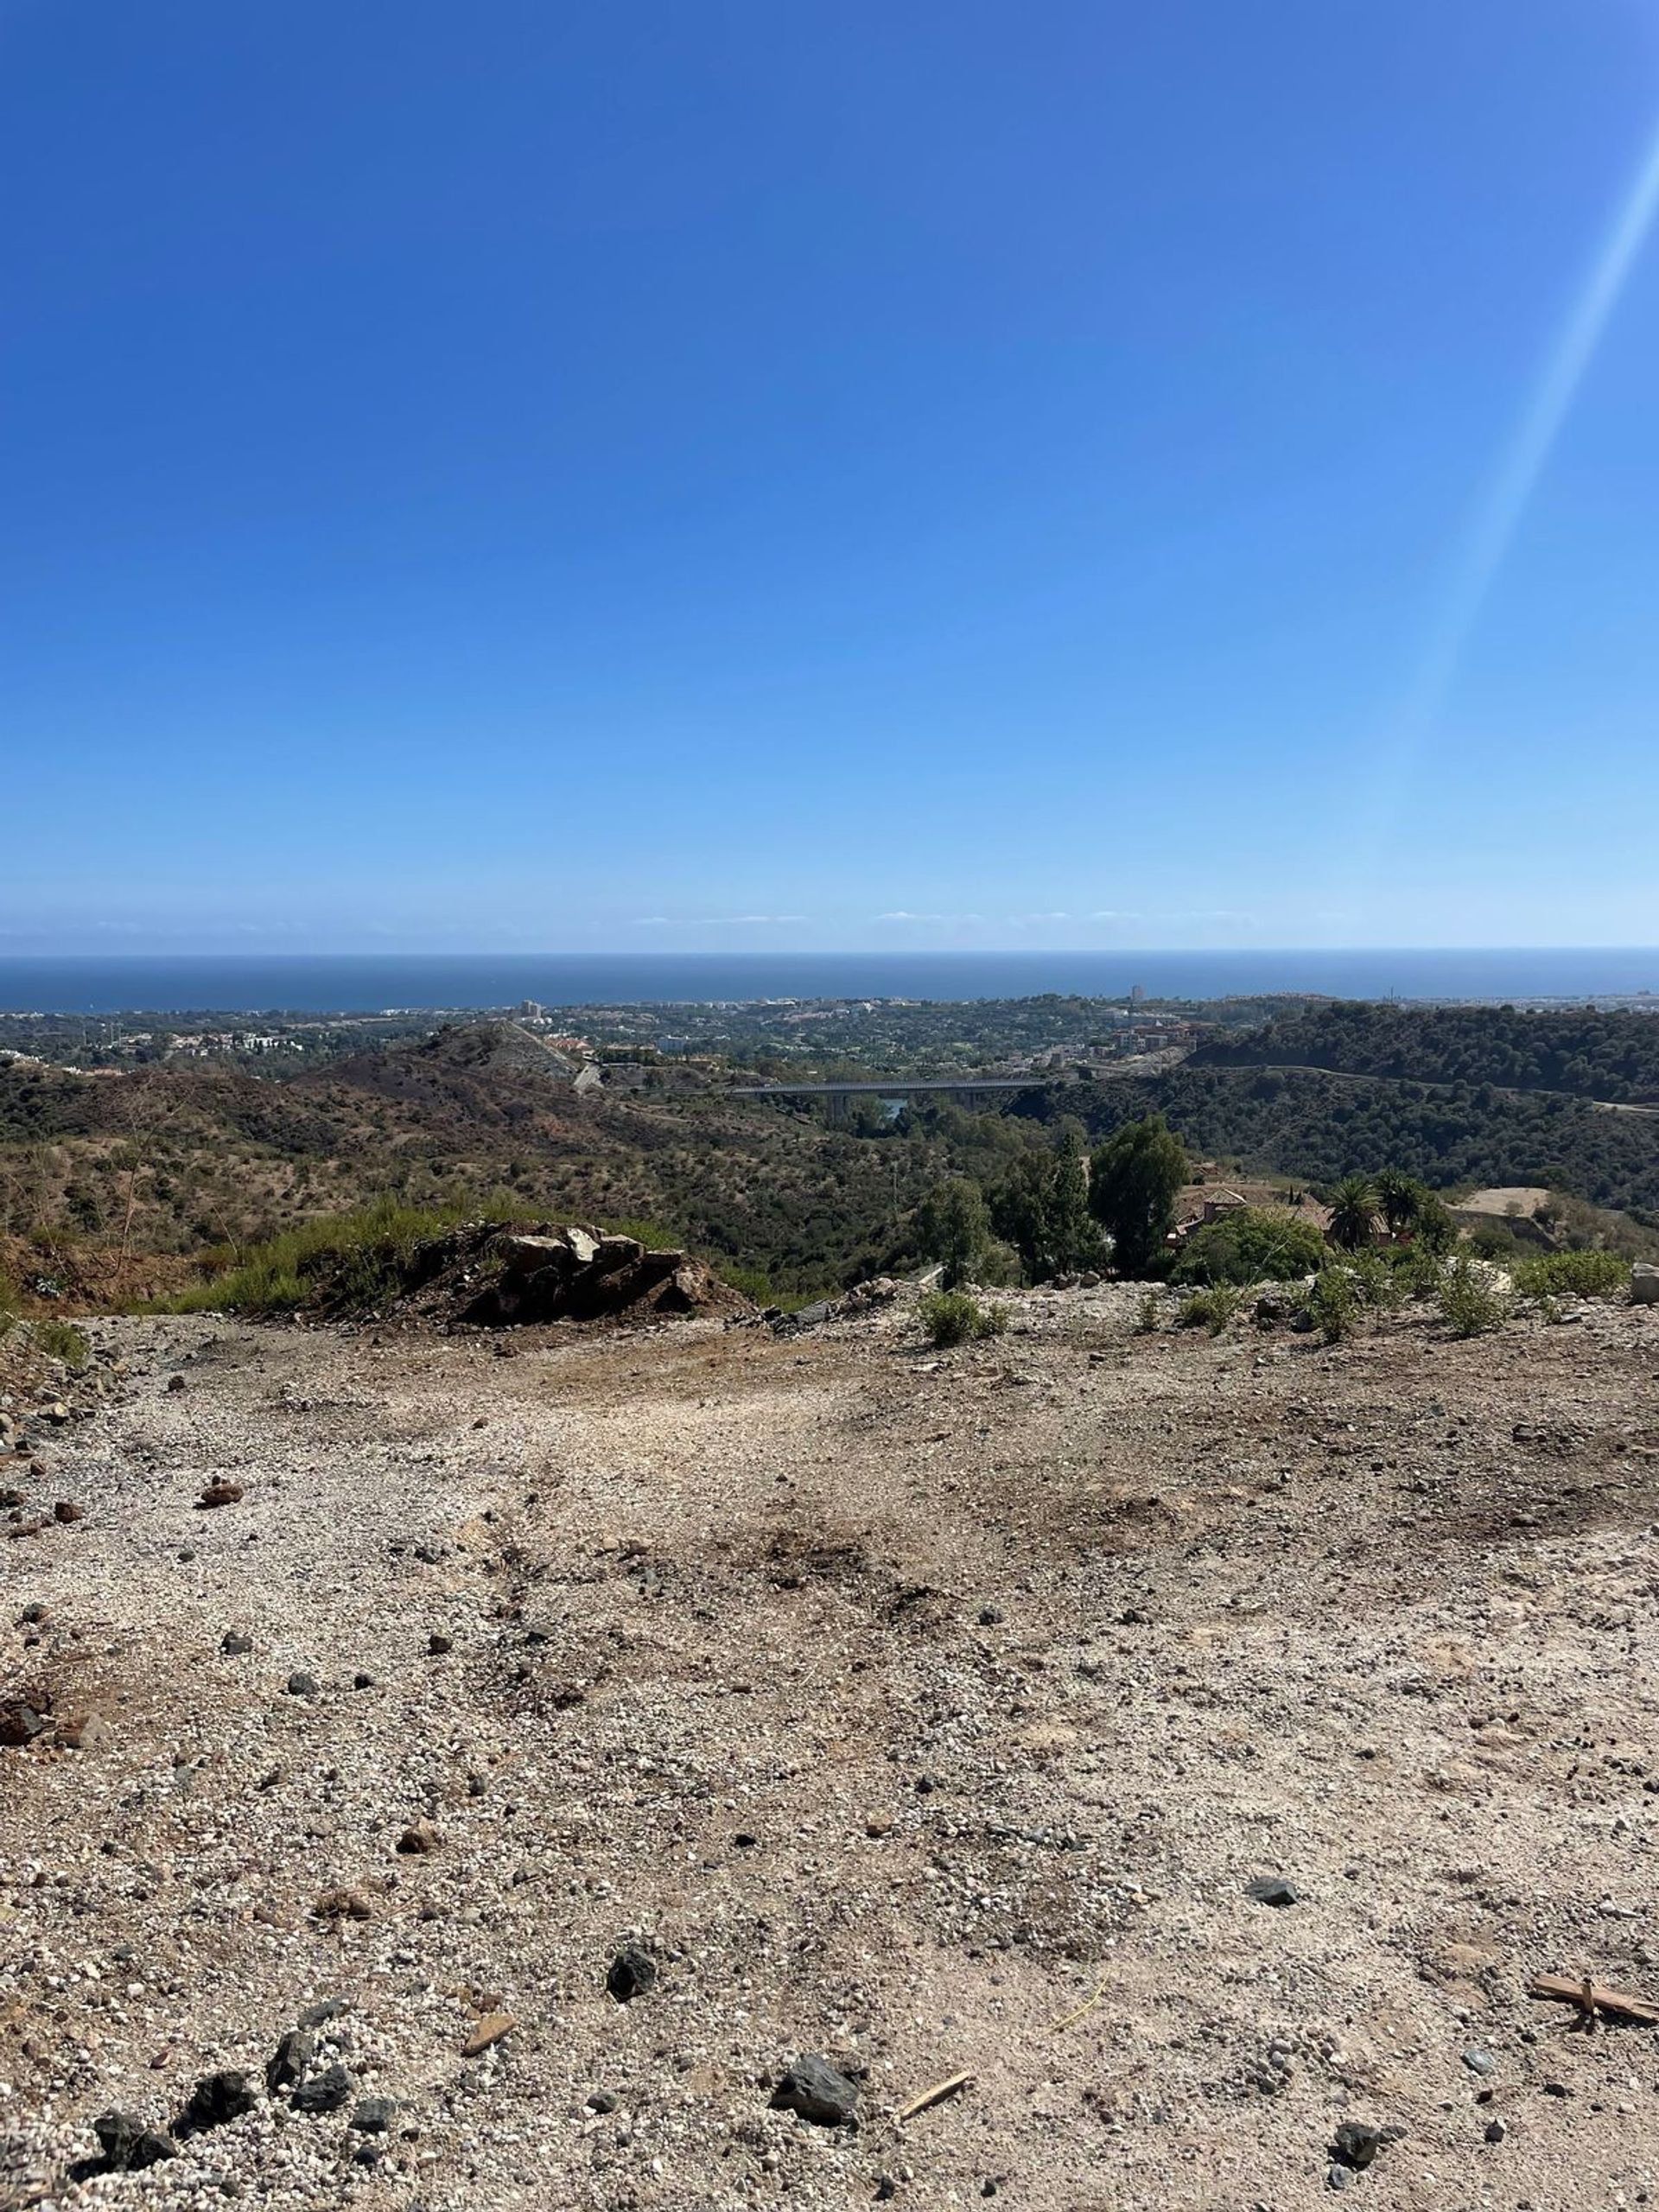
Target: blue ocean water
349	982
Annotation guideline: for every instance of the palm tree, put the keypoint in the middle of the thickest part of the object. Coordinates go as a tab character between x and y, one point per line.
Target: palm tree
1353	1212
1399	1196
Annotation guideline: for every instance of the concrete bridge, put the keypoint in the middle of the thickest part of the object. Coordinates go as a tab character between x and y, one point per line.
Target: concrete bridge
972	1092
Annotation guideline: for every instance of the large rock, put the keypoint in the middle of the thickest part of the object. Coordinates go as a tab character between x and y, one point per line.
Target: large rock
817	2091
1644	1283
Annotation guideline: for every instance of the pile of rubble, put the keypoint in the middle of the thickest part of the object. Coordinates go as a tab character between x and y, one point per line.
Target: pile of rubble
483	1276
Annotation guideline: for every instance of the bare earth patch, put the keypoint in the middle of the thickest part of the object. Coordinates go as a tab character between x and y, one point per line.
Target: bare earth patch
926	1714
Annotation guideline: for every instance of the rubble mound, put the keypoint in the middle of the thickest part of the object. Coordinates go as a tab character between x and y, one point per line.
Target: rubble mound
482	1275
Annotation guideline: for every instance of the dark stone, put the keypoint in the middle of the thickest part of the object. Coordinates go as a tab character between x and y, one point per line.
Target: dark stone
234	1643
300	1684
176	1383
603	2100
744	1841
632	1973
991	1616
362	1682
325	2008
1496	2130
438	1644
1268	1889
374	2115
1339	2177
1479	2061
288	2062
324	2092
218	2099
1356	2145
128	2146
813	2089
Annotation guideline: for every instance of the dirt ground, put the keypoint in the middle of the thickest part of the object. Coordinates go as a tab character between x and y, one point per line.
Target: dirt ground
926	1712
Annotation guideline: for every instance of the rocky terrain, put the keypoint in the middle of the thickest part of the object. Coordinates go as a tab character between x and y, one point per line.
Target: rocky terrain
635	1770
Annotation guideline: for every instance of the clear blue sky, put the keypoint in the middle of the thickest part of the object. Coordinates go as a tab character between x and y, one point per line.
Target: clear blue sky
828	473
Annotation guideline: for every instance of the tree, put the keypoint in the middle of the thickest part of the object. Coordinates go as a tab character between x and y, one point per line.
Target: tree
952	1225
1073	1235
1133	1182
1353	1212
1398	1196
1254	1245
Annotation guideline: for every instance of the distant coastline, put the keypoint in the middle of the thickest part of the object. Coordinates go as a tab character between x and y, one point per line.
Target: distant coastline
350	982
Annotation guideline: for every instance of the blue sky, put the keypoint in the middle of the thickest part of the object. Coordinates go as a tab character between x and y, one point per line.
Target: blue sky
832	475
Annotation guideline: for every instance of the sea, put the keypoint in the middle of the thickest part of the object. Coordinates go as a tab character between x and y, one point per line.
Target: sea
322	983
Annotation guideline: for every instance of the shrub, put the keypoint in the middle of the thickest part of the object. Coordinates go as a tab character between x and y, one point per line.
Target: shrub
362	1256
1333	1303
1255	1244
1470	1302
1146	1314
1374	1281
1577	1274
1417	1271
1210	1309
951	1316
62	1341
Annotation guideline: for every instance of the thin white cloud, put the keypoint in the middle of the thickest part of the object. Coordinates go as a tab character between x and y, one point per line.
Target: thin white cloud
902	914
1115	914
714	921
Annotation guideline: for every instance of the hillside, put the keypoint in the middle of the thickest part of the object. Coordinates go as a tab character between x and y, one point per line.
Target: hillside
923	1717
1323	1126
1584	1053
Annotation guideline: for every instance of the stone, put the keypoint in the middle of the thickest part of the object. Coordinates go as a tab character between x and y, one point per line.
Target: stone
813	2089
1339	2177
1479	2061
289	2061
342	1905
86	1732
21	1722
128	2146
991	1616
603	2100
1269	1888
1494	2131
632	1971
176	1385
325	2009
373	2115
218	2099
220	1491
66	1513
490	2029
1644	1283
438	1644
234	1643
419	1838
1356	2144
300	1684
324	2092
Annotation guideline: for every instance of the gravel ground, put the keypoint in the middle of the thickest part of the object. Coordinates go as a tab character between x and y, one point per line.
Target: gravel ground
926	1713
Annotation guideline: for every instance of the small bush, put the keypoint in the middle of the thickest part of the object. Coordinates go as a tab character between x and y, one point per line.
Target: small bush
1333	1303
1376	1284
1210	1309
62	1341
951	1316
1146	1314
1575	1274
1417	1271
1470	1303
